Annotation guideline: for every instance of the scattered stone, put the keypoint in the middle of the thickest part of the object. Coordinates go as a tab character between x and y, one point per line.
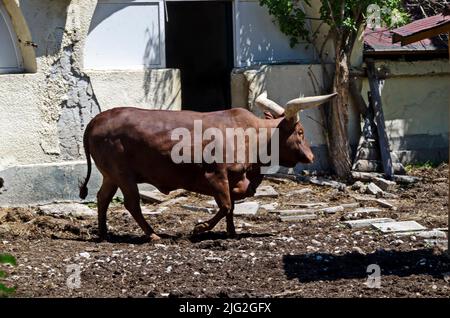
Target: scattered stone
400	226
443	244
266	191
270	206
385	185
198	208
438	180
159	210
350	205
333	209
246	208
294	211
308	205
315	242
358	185
173	201
385	204
432	234
357	250
85	255
295	218
326	182
367	210
405	179
153	196
397	242
356	224
372	188
67	209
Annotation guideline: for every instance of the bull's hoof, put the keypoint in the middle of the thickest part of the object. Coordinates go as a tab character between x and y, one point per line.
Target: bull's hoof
200	228
153	237
232	234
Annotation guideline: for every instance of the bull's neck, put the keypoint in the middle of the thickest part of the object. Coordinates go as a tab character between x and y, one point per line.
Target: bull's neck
270	123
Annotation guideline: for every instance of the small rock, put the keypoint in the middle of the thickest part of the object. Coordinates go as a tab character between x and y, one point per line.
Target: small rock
246	208
397	242
294	218
198	208
432	234
67	209
315	242
358	185
196	273
168	269
85	255
385	185
372	188
153	196
266	191
333	209
270	206
357	250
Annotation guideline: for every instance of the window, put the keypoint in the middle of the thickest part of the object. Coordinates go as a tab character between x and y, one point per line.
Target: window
259	40
10	57
126	35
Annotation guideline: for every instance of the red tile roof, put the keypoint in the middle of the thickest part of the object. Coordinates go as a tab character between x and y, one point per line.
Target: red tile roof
380	41
423	25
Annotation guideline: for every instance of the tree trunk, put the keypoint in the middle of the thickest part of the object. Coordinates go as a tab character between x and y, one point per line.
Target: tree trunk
338	143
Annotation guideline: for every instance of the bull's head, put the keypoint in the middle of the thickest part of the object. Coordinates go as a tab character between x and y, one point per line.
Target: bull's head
294	147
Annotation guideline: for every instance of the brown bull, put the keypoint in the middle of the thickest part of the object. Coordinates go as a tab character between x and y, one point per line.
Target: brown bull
131	146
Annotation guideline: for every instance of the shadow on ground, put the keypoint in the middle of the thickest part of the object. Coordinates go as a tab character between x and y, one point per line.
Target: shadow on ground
328	267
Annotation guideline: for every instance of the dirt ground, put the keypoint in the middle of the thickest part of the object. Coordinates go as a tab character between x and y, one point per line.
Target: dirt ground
269	258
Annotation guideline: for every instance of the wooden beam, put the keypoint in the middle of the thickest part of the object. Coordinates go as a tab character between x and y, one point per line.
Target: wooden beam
435	31
375	100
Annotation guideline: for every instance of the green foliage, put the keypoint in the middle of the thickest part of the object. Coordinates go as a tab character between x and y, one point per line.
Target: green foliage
343	16
6	259
420	165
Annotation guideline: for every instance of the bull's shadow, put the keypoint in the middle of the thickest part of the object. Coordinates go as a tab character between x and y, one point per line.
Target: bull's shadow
212	235
328	267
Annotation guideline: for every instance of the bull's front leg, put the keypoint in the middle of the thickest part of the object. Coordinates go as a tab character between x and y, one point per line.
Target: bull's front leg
225	204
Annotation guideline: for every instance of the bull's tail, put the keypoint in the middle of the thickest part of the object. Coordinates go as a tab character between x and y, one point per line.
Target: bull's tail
83	185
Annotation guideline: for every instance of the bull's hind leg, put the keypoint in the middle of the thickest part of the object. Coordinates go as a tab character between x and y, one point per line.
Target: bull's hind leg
223	199
132	204
104	197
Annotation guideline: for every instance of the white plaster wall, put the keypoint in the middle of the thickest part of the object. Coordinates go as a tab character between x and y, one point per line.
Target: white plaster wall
154	89
31	104
415	97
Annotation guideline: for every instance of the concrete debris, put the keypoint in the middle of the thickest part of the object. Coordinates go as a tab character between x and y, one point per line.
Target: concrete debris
372	188
308	205
295	218
400	226
76	210
326	182
356	224
294	211
198	208
367	210
153	196
266	191
384	184
246	208
270	206
333	209
300	192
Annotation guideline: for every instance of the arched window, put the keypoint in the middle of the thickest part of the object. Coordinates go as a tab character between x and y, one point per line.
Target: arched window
10	56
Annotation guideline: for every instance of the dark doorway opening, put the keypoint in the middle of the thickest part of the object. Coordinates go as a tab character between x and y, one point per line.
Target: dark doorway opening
199	42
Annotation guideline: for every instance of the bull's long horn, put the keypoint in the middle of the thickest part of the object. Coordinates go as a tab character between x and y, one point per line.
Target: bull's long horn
265	103
298	104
